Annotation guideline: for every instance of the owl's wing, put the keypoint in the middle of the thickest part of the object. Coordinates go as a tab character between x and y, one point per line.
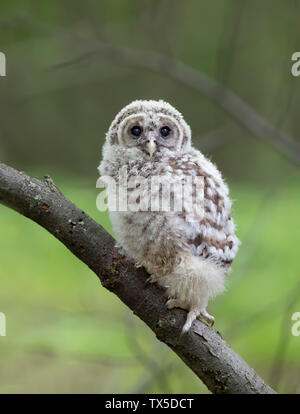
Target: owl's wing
211	234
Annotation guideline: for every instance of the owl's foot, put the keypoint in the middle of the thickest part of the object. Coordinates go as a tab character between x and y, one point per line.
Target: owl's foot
209	319
196	314
192	315
152	279
121	250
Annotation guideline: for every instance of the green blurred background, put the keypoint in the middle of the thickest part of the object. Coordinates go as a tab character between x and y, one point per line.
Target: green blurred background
65	333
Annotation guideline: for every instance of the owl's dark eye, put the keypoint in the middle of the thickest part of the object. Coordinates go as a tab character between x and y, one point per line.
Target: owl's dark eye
165	131
136	131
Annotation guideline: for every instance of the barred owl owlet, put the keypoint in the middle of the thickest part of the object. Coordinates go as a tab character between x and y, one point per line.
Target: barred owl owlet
188	257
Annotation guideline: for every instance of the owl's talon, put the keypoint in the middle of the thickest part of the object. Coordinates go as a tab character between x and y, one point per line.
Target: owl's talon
205	316
148	280
120	249
191	316
195	314
151	279
171	304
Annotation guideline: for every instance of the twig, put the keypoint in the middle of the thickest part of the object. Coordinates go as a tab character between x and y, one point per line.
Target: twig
239	110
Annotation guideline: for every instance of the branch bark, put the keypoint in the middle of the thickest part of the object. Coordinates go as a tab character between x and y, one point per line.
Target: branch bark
202	348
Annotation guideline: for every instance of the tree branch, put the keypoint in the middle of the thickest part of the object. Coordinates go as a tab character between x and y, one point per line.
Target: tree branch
231	103
202	349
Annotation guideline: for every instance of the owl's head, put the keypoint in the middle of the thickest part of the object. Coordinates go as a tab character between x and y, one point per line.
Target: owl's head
152	128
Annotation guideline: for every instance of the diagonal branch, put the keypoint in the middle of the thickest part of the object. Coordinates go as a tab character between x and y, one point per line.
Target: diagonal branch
202	349
231	103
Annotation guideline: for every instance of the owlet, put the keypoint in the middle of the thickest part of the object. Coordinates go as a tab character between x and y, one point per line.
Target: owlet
169	206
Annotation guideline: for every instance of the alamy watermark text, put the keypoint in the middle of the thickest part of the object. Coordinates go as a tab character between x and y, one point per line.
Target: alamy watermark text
2	324
2	64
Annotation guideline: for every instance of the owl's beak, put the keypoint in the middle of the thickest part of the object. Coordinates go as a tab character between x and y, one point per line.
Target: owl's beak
151	146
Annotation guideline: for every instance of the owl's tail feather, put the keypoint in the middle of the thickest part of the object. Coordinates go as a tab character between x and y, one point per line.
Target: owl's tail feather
193	283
